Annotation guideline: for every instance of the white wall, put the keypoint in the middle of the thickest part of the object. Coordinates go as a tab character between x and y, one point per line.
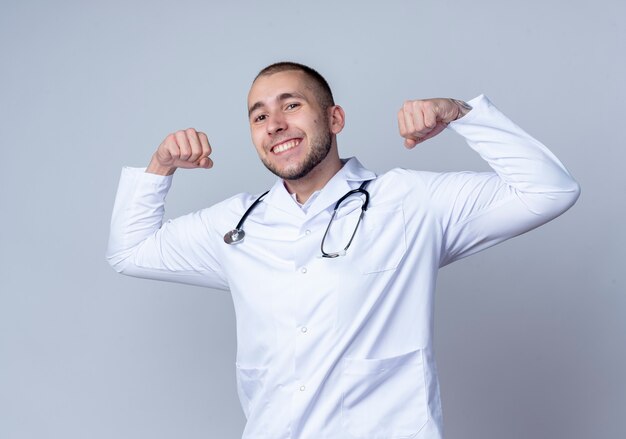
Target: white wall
530	334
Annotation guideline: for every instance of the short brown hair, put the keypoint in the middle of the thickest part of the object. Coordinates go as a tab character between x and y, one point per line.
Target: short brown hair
320	87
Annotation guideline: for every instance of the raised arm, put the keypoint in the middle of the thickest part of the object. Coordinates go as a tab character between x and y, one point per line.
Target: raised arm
529	185
139	243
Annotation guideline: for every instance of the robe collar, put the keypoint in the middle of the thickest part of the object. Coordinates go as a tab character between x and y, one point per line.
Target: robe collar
349	177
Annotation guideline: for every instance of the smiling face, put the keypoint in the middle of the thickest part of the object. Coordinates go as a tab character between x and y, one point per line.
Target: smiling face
292	133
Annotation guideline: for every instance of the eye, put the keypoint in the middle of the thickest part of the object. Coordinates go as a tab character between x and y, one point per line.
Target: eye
292	106
259	118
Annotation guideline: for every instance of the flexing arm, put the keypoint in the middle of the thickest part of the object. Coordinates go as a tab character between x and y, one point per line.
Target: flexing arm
140	244
529	185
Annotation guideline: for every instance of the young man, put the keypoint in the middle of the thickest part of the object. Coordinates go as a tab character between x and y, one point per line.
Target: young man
333	284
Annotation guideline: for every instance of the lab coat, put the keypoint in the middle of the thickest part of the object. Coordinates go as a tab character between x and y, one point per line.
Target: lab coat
342	348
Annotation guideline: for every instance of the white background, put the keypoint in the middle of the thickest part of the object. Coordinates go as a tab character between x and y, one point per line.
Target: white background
530	335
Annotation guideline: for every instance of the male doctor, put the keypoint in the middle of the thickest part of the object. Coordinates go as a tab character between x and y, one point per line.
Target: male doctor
333	272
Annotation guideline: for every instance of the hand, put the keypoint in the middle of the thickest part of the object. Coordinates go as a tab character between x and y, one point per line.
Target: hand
188	149
420	120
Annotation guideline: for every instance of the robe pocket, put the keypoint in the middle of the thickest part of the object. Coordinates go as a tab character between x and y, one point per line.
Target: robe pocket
250	381
383	243
384	398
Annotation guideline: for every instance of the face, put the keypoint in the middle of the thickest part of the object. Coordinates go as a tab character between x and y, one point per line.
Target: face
291	132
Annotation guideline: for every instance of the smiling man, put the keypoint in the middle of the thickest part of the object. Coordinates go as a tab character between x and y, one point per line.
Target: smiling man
295	131
333	284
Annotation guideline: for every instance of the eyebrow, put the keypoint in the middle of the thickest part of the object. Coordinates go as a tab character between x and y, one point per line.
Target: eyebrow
279	98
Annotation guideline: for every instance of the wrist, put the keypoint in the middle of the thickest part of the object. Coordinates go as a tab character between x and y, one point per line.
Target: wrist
155	167
462	106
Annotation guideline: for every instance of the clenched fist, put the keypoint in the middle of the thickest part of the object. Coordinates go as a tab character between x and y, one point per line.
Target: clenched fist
422	119
183	149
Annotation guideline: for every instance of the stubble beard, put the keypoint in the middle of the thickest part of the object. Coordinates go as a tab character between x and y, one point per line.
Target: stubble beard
320	147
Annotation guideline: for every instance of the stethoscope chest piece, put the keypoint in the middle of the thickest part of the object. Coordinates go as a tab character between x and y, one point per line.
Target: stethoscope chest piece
235	236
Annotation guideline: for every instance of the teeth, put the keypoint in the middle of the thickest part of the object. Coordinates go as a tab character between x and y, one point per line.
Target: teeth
285	146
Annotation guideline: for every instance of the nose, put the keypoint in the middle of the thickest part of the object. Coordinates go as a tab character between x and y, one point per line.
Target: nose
276	123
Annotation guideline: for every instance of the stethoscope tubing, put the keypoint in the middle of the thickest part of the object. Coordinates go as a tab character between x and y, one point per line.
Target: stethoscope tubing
249	210
236	235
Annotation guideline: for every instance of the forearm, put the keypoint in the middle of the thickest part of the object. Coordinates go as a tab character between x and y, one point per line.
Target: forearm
140	245
137	214
521	161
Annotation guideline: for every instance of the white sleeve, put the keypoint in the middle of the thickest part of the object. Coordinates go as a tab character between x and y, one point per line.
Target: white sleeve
529	187
181	250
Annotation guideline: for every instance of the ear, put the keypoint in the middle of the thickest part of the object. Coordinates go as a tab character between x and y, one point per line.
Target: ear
337	119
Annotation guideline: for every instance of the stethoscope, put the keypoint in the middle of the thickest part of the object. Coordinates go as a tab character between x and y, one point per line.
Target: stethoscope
236	235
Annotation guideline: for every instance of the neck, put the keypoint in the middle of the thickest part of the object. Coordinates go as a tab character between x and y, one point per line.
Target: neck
316	179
